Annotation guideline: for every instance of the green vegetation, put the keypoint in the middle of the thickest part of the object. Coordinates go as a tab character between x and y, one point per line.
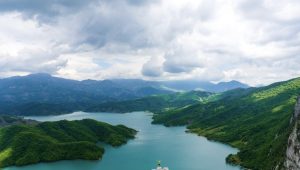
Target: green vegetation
62	140
155	103
255	120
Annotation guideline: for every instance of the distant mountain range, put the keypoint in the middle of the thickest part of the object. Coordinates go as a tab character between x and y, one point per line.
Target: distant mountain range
45	88
43	92
188	85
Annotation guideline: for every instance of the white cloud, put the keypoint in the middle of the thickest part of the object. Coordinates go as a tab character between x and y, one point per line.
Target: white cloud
255	41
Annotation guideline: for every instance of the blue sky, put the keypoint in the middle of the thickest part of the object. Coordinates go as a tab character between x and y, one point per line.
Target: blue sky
253	41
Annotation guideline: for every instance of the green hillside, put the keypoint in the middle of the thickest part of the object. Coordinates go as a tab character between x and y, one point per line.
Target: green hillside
62	140
255	120
155	103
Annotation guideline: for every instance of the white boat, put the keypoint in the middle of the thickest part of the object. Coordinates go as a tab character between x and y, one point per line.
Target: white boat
159	167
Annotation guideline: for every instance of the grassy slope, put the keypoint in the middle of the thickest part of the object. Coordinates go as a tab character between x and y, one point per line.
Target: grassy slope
255	120
155	103
62	140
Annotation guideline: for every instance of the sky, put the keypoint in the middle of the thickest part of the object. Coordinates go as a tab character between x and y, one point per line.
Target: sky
252	41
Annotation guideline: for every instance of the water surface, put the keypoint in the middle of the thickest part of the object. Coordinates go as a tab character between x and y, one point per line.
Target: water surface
175	148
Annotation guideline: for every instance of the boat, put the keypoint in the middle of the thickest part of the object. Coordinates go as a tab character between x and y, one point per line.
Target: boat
159	167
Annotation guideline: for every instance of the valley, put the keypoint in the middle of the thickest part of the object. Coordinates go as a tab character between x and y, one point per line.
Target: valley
150	85
256	120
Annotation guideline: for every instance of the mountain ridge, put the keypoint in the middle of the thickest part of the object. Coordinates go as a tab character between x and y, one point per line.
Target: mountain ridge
47	94
254	120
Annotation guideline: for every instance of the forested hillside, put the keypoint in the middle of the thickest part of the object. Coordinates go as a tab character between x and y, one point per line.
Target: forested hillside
62	140
155	103
255	120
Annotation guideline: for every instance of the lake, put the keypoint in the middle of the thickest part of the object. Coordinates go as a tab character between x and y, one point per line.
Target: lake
175	148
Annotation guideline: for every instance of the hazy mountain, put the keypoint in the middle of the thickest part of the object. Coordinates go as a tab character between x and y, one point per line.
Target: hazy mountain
188	85
44	94
46	88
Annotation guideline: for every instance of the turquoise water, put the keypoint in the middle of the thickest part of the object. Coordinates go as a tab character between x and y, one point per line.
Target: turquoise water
175	148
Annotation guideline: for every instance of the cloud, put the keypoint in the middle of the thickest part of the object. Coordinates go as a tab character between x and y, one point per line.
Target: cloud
43	10
32	61
208	74
25	47
53	8
181	62
153	67
213	40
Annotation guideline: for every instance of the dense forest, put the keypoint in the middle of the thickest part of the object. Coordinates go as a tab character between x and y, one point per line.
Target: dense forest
62	140
255	120
156	103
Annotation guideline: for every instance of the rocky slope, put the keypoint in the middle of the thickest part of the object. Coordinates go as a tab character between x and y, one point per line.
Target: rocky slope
14	120
292	161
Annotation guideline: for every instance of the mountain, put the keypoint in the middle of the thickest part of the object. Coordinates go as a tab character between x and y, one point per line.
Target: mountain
63	140
43	94
45	88
258	121
155	103
42	91
188	85
225	86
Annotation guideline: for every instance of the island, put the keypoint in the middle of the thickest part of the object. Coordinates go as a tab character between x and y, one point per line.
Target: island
24	144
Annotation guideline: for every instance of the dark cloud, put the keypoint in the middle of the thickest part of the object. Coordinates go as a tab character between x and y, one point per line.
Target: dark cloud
182	60
117	24
93	22
44	11
152	68
101	22
151	71
54	7
176	68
